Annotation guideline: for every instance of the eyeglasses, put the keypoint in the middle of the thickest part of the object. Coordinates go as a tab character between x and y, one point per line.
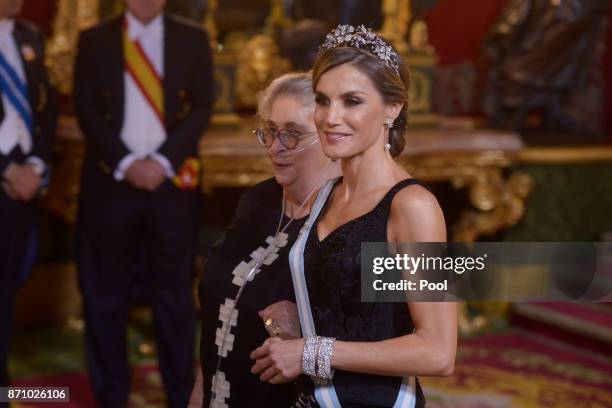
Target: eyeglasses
289	138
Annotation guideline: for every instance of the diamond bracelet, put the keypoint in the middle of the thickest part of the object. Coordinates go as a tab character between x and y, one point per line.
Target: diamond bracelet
309	355
324	358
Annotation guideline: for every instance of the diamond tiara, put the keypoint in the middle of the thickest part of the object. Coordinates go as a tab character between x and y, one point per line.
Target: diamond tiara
365	39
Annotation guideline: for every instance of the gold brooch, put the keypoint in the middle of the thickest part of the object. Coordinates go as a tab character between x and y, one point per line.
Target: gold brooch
28	53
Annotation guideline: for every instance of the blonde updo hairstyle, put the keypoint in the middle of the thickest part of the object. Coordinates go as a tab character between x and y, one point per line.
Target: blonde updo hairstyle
392	87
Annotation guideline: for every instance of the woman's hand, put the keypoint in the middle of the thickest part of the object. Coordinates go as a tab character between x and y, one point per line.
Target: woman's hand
278	361
281	320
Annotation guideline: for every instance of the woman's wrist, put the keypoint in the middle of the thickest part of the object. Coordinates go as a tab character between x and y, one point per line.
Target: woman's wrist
317	358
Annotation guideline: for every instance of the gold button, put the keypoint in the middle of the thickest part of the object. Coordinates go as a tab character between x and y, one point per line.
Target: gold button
108	116
38	129
107	93
182	93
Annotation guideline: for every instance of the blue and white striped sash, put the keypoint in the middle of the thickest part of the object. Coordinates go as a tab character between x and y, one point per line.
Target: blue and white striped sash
16	92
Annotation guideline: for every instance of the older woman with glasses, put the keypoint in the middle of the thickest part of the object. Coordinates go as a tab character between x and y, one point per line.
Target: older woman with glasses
246	290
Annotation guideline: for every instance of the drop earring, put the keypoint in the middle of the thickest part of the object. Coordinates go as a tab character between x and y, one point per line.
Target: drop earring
389	124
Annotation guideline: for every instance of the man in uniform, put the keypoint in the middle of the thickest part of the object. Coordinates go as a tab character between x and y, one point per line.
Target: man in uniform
143	97
27	125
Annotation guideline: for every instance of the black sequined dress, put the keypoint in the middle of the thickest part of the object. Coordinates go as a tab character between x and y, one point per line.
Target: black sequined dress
333	275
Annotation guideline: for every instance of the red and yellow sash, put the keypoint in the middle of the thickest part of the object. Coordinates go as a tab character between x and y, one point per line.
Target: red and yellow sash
143	73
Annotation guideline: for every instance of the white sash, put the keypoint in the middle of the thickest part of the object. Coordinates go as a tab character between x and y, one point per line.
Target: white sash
326	394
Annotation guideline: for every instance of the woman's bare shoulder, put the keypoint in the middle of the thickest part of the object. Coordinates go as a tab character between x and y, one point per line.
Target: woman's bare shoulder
416	215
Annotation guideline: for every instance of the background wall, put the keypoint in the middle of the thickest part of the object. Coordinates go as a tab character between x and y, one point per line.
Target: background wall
40	12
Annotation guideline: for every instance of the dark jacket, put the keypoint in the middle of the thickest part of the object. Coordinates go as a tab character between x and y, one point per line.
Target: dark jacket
99	93
41	95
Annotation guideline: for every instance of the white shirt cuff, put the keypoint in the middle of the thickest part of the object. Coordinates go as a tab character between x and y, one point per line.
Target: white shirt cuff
37	164
124	165
165	163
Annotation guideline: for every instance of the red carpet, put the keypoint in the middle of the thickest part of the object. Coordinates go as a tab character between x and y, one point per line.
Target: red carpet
514	368
520	369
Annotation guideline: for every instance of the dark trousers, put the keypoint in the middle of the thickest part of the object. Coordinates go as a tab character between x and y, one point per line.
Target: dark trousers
117	224
16	219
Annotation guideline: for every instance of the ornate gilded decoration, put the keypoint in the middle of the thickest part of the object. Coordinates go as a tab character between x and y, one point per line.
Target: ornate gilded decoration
210	23
419	38
250	171
399	24
72	17
224	72
397	16
552	155
258	63
277	20
224	81
419	93
499	203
